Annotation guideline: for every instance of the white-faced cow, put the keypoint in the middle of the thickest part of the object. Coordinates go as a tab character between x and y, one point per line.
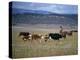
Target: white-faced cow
37	37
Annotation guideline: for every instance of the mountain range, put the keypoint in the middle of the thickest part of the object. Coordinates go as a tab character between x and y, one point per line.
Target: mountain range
23	11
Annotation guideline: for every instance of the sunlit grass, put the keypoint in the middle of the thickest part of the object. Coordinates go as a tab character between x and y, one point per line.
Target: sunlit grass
22	48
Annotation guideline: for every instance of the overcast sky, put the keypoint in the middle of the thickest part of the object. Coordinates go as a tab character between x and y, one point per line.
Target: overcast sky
55	8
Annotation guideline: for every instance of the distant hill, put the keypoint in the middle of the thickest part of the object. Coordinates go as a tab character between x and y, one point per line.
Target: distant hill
21	16
23	11
44	19
39	12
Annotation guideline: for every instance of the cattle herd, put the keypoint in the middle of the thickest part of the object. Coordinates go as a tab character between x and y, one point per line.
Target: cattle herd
27	36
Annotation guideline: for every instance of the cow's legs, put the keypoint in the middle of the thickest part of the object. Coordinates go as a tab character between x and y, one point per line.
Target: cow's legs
24	39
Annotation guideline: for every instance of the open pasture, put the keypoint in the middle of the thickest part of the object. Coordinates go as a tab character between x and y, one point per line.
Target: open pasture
21	48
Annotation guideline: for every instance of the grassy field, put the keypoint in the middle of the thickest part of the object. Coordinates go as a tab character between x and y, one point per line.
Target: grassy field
21	49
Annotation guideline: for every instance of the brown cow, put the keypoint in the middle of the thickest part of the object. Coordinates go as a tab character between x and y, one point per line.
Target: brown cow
69	33
36	36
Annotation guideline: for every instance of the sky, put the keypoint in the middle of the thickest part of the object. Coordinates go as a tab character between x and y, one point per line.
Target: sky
54	8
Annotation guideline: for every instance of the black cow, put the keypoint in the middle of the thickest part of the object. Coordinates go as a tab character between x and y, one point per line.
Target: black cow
55	36
24	35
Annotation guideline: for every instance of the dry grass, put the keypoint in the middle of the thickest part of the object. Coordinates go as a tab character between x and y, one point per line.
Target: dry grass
25	49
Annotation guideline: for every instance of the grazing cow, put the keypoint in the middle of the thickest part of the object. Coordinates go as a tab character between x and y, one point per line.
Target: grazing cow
55	36
36	36
24	35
